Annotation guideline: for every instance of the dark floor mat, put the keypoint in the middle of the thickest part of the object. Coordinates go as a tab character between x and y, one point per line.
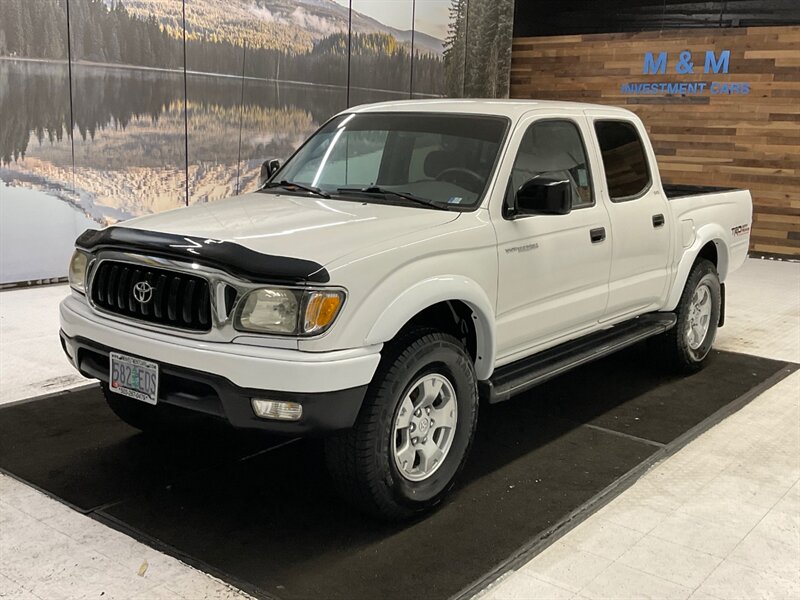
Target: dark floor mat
268	521
72	446
630	393
274	522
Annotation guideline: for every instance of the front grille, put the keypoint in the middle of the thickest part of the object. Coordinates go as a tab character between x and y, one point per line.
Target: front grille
174	299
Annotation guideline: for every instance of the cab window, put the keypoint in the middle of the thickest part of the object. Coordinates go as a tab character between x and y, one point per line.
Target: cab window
447	159
554	148
624	160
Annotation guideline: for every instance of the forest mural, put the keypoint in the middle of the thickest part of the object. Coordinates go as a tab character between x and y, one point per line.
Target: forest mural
118	108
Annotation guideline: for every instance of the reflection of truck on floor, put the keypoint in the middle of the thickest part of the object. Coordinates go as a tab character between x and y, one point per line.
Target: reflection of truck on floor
409	259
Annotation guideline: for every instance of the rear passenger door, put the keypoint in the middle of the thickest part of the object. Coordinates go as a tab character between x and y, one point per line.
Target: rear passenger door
640	225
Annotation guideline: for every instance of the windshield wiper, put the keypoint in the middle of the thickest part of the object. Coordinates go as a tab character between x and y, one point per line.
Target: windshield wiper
374	189
300	186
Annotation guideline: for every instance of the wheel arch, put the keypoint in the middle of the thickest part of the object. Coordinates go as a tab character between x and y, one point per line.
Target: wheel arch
709	244
454	304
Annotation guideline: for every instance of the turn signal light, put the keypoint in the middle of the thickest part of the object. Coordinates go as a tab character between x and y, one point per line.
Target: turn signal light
321	309
275	409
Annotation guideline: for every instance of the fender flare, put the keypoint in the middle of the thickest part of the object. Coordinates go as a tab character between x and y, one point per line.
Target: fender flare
431	291
711	232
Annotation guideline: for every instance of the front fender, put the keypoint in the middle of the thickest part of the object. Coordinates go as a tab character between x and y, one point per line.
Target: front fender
431	291
711	232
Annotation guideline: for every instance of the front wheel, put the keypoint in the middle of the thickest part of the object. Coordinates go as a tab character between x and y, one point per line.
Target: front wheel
414	430
686	346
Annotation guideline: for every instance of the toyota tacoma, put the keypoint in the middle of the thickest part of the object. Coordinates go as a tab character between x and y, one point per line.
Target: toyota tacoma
410	260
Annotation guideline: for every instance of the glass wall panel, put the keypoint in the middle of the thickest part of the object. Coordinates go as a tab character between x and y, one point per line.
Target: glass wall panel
380	50
295	79
215	54
489	29
40	215
433	27
128	103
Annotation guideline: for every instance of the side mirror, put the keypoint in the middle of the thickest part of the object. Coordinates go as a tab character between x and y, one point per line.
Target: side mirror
544	196
268	169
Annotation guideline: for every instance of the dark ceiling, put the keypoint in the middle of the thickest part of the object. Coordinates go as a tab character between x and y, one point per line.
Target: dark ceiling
565	17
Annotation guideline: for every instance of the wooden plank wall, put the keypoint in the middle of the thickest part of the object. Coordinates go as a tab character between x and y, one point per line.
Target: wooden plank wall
748	141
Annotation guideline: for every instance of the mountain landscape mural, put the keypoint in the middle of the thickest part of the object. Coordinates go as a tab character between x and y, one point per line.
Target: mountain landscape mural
115	109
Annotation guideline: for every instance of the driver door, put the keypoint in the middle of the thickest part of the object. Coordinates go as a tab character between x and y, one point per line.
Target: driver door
553	269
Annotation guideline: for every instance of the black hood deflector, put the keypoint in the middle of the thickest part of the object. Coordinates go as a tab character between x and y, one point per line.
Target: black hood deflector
226	256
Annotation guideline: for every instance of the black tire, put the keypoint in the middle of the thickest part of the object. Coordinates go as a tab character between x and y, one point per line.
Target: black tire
145	417
676	345
361	460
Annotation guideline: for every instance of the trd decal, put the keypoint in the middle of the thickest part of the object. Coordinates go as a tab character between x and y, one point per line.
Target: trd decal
740	230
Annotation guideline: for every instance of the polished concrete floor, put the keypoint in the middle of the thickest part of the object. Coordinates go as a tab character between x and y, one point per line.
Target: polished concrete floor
720	519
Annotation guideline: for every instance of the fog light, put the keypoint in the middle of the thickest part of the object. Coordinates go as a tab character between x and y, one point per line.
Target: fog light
274	409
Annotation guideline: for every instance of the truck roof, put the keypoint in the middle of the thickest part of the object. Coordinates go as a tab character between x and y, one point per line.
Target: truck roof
479	106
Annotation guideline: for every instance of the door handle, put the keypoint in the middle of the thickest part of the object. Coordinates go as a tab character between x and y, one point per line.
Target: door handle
597	235
658	220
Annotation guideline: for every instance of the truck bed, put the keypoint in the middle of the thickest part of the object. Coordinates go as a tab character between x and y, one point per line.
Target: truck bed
681	190
727	211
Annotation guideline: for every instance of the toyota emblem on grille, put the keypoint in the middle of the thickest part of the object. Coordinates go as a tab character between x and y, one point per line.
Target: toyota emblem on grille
143	292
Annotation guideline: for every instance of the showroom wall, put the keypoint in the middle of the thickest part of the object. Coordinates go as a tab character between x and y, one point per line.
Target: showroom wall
721	101
113	109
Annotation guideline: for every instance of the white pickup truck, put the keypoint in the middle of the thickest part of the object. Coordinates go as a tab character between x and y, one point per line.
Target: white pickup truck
408	260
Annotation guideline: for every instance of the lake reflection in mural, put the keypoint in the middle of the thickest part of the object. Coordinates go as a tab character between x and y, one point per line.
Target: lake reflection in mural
129	134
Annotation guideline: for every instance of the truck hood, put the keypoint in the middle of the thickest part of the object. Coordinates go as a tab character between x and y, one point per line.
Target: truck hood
314	229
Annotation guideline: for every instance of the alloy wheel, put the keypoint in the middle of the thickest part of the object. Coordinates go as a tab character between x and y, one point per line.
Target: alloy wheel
424	427
699	317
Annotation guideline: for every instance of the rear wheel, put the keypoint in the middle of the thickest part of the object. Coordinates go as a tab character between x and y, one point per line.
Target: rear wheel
686	346
414	430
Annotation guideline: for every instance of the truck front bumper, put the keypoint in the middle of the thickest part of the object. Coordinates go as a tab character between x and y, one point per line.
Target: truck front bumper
222	378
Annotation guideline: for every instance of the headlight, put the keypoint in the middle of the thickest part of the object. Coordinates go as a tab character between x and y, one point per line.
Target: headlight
288	311
268	310
77	271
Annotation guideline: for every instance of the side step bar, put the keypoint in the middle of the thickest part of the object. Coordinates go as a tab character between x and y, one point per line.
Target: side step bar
522	375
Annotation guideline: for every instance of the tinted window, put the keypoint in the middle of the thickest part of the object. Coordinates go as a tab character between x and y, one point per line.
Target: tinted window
624	159
444	158
554	149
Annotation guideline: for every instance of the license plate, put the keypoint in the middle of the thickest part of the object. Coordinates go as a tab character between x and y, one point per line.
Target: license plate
134	377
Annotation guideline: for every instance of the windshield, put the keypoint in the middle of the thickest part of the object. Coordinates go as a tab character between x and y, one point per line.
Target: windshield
445	159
